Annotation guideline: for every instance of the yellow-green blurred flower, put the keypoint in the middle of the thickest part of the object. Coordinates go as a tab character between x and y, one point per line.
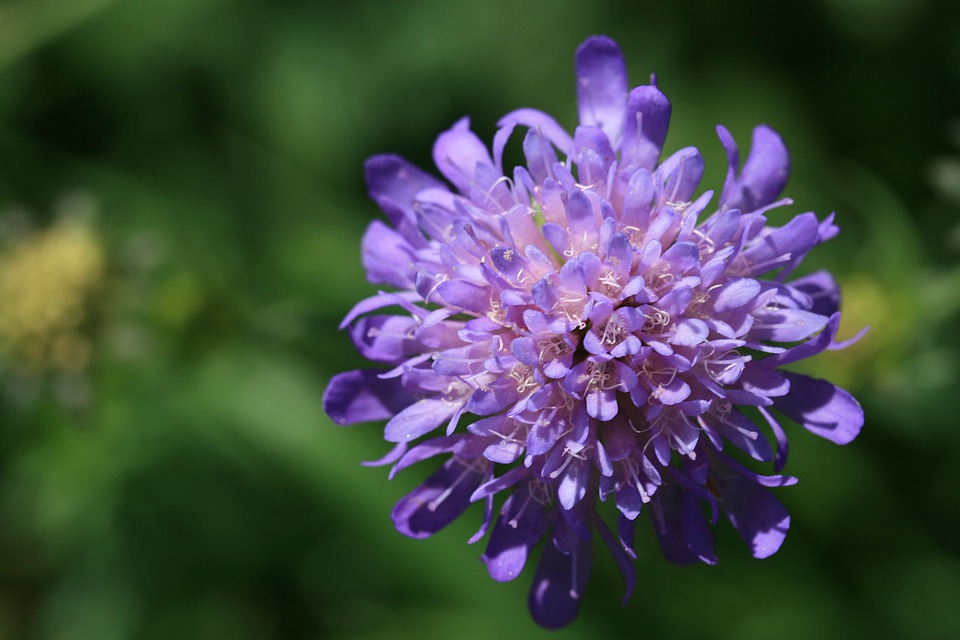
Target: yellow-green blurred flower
47	282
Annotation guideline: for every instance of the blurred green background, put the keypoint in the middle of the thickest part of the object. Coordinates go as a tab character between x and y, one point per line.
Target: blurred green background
181	204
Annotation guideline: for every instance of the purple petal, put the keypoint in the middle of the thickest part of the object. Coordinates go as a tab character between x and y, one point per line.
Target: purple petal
438	501
386	256
541	122
388	339
786	325
764	173
573	484
592	153
824	409
735	294
602	85
696	533
809	348
679	175
667	519
627	533
620	556
362	396
500	483
742	433
539	154
822	289
485	523
419	418
645	129
776	248
458	152
393	184
466	295
516	532
558	584
428	449
754	512
689	332
378	301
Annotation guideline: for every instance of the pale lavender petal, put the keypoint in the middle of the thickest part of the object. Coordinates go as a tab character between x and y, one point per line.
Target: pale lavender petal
786	325
542	122
386	256
458	152
419	418
602	86
734	294
465	295
809	348
428	449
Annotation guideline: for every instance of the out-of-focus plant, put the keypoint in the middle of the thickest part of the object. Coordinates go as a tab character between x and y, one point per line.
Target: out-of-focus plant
49	282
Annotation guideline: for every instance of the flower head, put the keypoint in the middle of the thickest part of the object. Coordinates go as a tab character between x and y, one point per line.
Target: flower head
579	330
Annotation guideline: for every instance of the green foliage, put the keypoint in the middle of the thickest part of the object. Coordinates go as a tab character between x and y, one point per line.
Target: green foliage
186	483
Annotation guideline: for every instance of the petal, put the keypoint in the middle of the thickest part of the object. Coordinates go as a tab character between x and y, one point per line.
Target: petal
809	348
428	449
541	122
764	173
760	519
822	289
780	245
786	325
457	153
419	418
602	85
362	396
438	501
393	183
742	433
558	584
677	177
667	519
573	484
539	154
696	533
688	332
387	256
516	532
645	129
822	408
388	339
620	556
498	484
465	295
592	154
734	294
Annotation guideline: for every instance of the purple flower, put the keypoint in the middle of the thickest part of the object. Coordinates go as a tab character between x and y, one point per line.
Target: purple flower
579	330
